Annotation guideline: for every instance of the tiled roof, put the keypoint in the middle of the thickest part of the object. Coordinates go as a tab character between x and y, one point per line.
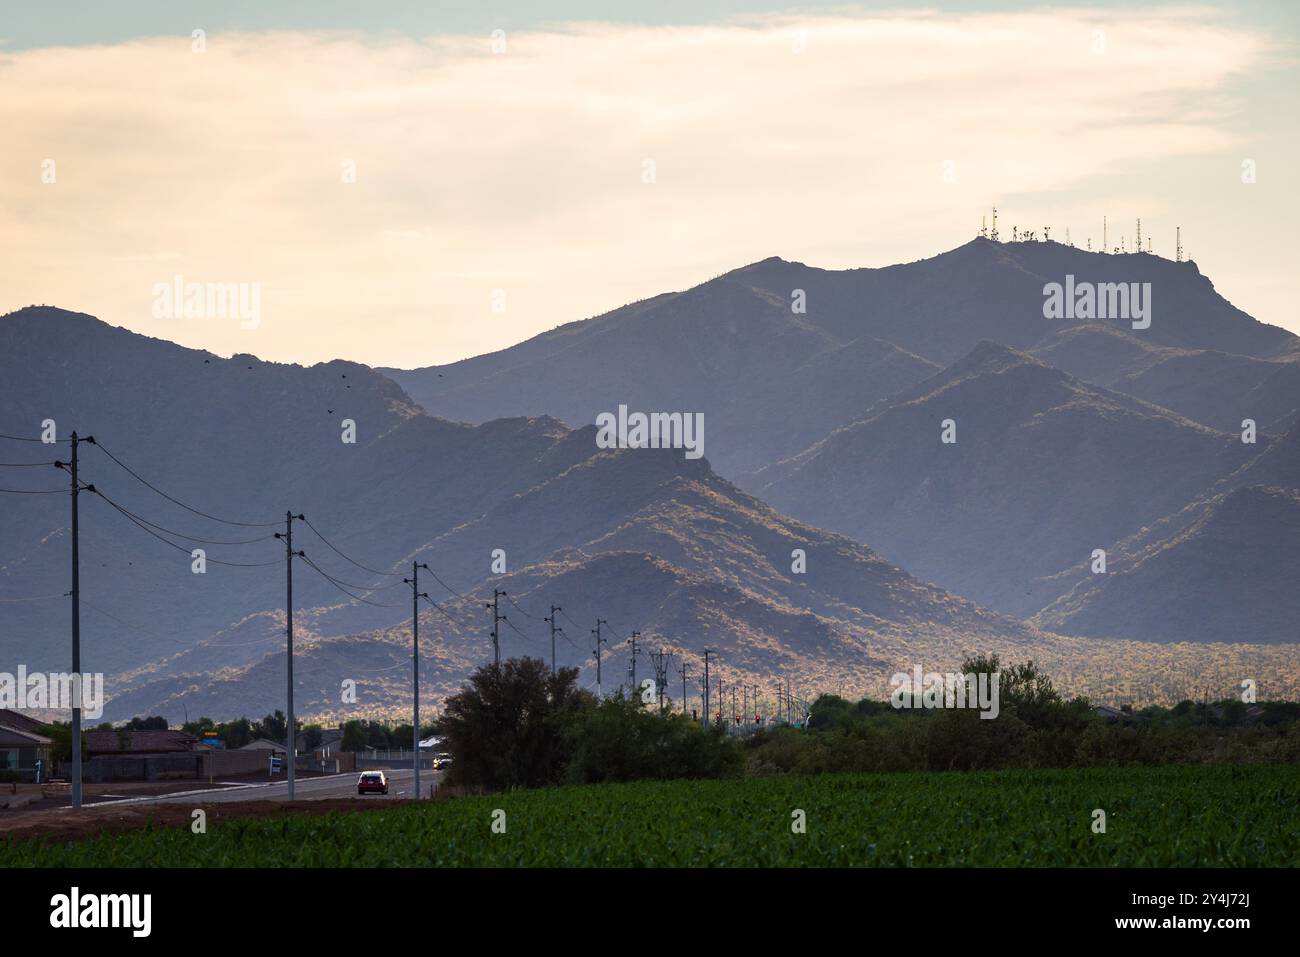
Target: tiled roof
138	742
19	721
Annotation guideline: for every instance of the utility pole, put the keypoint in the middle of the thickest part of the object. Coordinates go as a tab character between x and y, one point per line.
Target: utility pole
497	618
416	595
660	661
721	702
596	631
683	671
635	651
705	686
554	628
291	742
76	616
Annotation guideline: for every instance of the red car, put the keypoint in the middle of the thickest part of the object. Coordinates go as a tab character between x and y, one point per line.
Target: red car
372	781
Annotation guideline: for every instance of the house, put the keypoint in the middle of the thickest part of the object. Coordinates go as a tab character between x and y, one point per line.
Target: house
19	721
264	744
331	742
120	755
21	748
115	743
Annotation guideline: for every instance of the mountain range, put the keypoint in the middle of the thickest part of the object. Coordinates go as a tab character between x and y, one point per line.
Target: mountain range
830	535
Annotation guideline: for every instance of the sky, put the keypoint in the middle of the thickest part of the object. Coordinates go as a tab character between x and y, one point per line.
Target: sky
424	182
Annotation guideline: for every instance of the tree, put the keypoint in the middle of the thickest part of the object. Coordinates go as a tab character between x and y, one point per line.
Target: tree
311	737
156	723
273	727
506	728
354	737
618	740
236	734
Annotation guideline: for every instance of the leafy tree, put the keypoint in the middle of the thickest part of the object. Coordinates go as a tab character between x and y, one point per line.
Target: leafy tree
197	728
273	727
827	710
60	735
236	734
618	740
354	737
311	736
400	736
506	727
156	723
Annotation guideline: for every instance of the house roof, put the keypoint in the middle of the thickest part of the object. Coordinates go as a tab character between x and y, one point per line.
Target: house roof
262	744
19	721
137	742
12	736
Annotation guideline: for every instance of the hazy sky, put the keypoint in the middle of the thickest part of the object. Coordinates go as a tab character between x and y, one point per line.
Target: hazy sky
589	163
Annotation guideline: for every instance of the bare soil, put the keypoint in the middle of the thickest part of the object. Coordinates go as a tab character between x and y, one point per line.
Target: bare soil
56	824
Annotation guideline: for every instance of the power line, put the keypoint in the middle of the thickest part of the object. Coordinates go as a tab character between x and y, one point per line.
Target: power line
22	465
514	629
33	491
165	541
445	613
443	583
365	589
524	613
190	538
329	578
23	438
174	500
367	568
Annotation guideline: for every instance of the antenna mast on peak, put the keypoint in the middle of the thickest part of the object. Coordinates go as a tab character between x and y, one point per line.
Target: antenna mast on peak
994	234
1178	252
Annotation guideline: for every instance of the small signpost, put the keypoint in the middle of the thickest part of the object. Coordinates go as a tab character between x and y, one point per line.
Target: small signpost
277	763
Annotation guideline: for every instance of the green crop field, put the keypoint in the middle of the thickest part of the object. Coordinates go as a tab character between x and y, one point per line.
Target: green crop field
1166	816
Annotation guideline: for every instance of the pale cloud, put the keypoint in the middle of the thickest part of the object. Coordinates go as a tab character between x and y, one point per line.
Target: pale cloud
523	171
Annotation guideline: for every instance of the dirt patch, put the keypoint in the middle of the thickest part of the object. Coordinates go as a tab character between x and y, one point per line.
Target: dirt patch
63	825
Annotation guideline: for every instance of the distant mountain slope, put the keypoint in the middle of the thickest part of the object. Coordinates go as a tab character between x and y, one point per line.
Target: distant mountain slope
1255	497
698	564
1218	389
1231	576
1046	468
645	538
240	439
734	349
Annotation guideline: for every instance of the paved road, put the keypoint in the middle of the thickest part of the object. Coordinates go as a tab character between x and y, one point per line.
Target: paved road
400	783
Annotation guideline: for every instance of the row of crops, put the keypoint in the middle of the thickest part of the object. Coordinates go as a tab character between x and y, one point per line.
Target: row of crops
1165	816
